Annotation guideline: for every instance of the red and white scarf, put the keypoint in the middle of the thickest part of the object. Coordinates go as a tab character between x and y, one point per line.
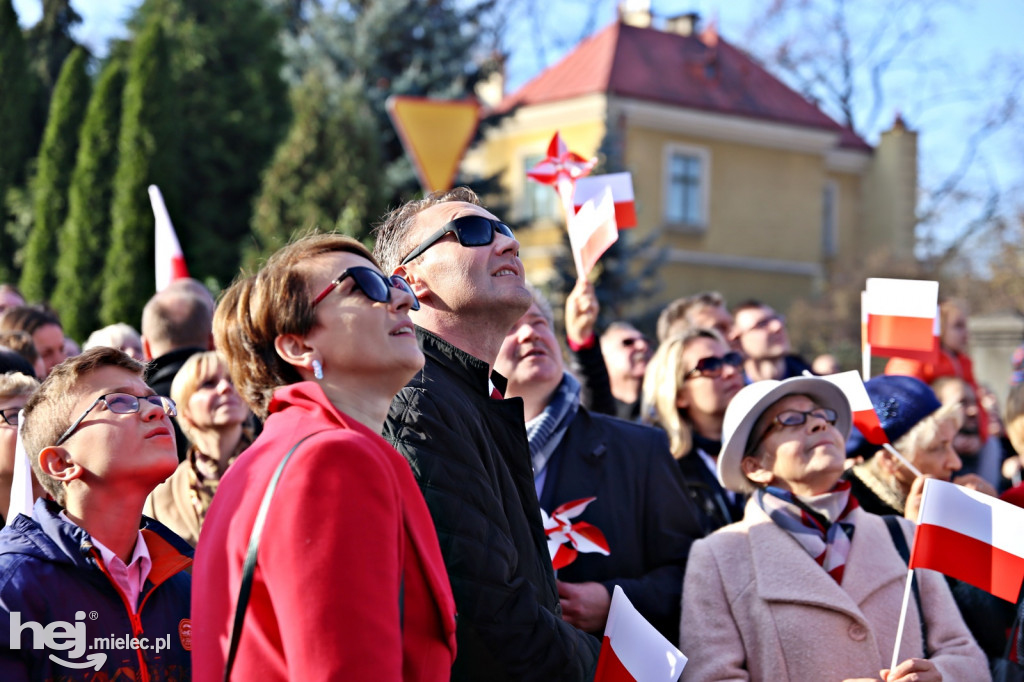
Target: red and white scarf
818	523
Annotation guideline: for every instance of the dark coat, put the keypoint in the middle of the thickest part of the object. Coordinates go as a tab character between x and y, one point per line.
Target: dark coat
708	495
50	571
640	508
471	459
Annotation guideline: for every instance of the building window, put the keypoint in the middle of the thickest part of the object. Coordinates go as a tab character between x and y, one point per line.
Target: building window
686	187
829	221
539	201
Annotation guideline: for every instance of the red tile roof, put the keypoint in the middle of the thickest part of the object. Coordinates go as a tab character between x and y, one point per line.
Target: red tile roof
685	71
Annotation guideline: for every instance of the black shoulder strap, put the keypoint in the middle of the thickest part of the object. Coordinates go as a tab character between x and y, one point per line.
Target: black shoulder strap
249	567
900	540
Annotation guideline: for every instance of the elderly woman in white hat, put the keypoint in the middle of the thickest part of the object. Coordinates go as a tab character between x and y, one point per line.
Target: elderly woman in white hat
808	586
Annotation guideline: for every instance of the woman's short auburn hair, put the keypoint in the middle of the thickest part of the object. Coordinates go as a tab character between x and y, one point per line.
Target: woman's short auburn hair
258	308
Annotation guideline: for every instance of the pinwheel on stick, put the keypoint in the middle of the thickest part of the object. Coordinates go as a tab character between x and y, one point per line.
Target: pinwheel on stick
567	539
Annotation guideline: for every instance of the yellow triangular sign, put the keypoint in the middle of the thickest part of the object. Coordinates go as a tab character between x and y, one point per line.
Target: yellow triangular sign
435	134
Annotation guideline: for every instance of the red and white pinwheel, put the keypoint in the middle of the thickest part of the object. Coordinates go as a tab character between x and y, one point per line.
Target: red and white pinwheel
561	169
562	532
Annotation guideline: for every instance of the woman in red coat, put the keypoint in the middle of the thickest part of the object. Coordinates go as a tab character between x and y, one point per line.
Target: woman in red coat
349	584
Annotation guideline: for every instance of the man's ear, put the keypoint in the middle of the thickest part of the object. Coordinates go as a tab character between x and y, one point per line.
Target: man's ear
417	284
147	353
56	462
754	470
294	350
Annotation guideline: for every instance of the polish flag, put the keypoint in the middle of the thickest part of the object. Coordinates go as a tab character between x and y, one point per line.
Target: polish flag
864	416
902	317
170	261
972	537
633	650
591	231
621	185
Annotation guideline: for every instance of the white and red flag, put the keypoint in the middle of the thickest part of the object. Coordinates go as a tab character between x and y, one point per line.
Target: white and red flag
591	231
972	537
170	261
864	416
621	185
902	318
633	650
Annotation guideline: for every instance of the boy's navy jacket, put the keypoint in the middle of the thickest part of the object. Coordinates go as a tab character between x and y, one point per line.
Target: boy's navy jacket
50	572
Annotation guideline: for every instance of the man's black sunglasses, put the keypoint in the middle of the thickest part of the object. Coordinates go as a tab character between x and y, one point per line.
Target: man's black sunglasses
712	366
374	285
470	230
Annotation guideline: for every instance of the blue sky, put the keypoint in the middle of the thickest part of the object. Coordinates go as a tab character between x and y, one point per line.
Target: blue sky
970	33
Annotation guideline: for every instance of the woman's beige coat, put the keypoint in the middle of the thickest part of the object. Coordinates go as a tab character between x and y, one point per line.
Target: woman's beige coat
756	606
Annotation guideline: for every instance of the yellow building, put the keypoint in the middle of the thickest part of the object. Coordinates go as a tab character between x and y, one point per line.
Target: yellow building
753	190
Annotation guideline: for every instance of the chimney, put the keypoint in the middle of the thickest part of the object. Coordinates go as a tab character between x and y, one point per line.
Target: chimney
635	13
684	24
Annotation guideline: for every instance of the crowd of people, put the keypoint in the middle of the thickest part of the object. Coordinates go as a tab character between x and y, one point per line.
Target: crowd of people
343	469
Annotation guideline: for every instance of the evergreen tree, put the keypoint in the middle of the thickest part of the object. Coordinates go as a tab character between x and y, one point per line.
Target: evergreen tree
226	65
147	146
85	235
53	176
49	43
401	47
14	124
326	174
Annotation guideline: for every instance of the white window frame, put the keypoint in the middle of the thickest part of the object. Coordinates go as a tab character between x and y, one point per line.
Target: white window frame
526	206
703	155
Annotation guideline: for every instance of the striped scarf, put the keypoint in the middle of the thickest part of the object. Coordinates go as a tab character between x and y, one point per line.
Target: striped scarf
817	523
545	431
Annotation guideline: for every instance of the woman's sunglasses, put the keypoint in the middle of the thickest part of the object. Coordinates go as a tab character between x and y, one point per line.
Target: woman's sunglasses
374	285
470	230
712	366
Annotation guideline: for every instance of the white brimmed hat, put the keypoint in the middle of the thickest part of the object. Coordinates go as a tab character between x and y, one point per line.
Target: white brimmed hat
750	403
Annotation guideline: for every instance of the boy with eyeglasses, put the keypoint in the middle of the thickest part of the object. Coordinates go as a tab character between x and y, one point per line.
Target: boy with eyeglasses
468	450
88	586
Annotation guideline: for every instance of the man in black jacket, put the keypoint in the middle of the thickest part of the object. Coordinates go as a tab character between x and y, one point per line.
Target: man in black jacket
176	323
468	450
640	507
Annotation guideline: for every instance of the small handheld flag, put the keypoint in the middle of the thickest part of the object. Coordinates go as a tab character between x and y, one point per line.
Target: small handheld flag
170	261
633	650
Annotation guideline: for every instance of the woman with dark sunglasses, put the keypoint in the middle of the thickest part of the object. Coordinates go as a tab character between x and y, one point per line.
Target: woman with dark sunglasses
809	586
349	583
689	382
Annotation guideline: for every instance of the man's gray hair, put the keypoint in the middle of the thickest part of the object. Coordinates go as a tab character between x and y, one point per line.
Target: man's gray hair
392	232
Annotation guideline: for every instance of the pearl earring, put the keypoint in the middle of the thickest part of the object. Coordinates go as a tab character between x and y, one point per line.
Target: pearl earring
318	370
